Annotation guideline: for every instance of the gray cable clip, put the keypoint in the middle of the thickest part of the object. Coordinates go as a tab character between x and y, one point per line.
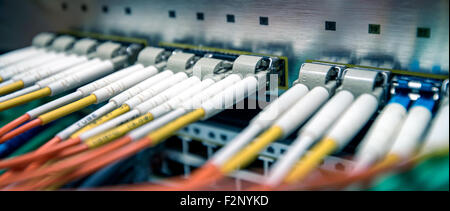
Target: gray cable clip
108	50
84	46
43	39
180	62
62	43
313	75
248	65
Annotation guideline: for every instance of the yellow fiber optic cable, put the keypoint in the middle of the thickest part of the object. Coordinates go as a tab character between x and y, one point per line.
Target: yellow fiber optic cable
11	87
51	116
249	153
166	131
111	115
25	98
119	131
311	160
67	109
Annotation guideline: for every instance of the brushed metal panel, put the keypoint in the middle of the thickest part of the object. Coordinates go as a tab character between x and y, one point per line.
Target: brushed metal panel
296	28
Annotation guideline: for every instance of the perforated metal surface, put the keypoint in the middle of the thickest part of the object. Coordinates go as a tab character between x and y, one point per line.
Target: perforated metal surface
402	34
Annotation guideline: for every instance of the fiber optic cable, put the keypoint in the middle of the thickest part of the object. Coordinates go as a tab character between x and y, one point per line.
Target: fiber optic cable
39	143
407	141
25	98
11	145
13	70
105	93
261	122
172	103
140	115
57	51
437	137
68	163
232	94
81	92
127	100
380	136
11	87
39	42
115	133
29	77
73	77
18	56
165	117
208	108
308	135
39	140
220	99
59	86
129	104
161	110
176	63
93	140
194	103
17	52
342	131
35	73
156	89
